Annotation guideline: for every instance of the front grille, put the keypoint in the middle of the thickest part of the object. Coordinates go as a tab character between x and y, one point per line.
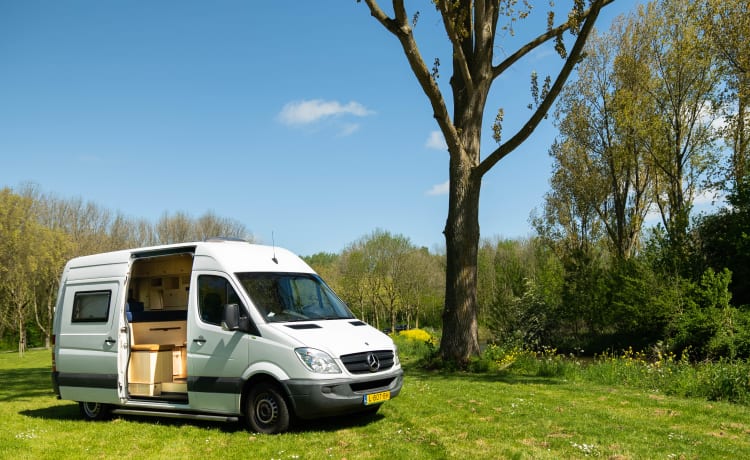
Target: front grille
371	385
357	363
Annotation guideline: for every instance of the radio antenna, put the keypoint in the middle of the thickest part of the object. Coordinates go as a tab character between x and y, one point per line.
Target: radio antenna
273	243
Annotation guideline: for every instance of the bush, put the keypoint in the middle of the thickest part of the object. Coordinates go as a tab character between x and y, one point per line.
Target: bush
415	345
708	325
724	381
418	335
494	358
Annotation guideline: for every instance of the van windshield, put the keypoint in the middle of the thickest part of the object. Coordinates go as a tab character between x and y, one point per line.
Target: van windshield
282	297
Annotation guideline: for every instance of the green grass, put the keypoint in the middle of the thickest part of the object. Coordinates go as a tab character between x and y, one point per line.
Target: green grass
438	415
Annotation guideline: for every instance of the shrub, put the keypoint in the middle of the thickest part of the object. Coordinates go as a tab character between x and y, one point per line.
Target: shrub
494	358
417	334
724	381
415	345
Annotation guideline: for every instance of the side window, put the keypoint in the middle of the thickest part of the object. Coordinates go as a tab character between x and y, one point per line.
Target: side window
213	293
91	307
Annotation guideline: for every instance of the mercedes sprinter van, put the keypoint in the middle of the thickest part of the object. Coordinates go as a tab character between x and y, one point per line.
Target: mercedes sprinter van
218	330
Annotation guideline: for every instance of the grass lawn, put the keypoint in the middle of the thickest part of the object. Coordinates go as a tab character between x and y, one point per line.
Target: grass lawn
436	416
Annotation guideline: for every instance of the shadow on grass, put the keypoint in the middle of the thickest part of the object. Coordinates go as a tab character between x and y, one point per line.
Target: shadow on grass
59	412
509	378
70	412
25	383
66	412
340	422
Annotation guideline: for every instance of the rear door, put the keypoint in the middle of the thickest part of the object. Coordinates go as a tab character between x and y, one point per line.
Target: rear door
87	361
217	358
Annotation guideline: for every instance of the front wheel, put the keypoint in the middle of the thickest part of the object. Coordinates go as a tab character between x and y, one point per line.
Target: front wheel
266	410
94	411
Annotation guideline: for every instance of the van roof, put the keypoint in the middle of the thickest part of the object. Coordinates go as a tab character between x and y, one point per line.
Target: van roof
223	255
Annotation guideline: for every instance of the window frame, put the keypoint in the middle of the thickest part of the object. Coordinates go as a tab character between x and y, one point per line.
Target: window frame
74	319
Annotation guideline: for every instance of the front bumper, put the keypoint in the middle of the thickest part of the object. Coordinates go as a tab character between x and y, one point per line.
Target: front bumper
323	398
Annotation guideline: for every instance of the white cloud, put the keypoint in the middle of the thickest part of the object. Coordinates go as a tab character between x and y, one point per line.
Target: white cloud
439	189
347	129
436	141
307	112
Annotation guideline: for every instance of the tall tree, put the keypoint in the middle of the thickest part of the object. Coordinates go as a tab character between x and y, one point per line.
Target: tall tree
472	29
599	156
684	88
727	24
27	252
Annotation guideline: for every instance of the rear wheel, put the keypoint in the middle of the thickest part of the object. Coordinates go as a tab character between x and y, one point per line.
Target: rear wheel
266	410
94	411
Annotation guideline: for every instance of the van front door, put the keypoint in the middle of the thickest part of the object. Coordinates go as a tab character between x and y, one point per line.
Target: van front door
216	358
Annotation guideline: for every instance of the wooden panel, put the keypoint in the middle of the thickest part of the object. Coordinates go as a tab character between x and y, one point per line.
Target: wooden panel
150	367
159	332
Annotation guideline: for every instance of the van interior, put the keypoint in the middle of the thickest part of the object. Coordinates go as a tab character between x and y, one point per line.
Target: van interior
157	315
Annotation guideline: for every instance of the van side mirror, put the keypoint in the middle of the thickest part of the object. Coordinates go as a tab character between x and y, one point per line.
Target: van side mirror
231	318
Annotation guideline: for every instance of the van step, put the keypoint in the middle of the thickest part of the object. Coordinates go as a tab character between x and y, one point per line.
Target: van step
170	414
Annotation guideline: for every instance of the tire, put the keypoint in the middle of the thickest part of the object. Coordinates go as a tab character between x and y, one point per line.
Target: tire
266	410
92	411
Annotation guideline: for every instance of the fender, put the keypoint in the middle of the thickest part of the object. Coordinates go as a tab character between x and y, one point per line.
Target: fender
265	367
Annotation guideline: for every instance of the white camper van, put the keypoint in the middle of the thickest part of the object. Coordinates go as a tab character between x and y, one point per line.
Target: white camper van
218	330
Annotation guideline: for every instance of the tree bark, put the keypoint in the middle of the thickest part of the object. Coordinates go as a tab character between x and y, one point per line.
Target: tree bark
460	339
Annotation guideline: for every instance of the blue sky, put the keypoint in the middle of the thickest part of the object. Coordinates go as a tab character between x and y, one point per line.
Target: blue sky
296	118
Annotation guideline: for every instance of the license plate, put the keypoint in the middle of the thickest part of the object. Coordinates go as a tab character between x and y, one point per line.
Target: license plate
376	398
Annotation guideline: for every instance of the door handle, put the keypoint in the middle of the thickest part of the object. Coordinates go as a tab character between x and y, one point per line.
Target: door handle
110	341
200	340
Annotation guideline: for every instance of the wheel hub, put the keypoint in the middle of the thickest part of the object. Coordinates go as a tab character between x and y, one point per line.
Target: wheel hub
266	410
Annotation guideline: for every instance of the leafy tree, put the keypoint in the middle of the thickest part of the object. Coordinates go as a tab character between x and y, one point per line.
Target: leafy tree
421	285
385	278
27	252
521	307
176	228
709	327
181	227
600	180
326	265
724	242
638	308
684	89
472	29
355	283
727	25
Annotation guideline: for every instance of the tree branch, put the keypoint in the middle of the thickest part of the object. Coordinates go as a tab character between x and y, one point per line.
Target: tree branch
541	39
400	28
541	111
459	58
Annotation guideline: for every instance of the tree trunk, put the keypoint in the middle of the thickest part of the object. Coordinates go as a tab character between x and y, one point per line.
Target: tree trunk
460	339
21	338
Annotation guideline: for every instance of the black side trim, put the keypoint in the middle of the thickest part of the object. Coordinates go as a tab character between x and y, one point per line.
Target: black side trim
178	398
158	315
215	385
66	379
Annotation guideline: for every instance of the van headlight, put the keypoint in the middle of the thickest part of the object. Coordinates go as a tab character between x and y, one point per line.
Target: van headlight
317	361
396	361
